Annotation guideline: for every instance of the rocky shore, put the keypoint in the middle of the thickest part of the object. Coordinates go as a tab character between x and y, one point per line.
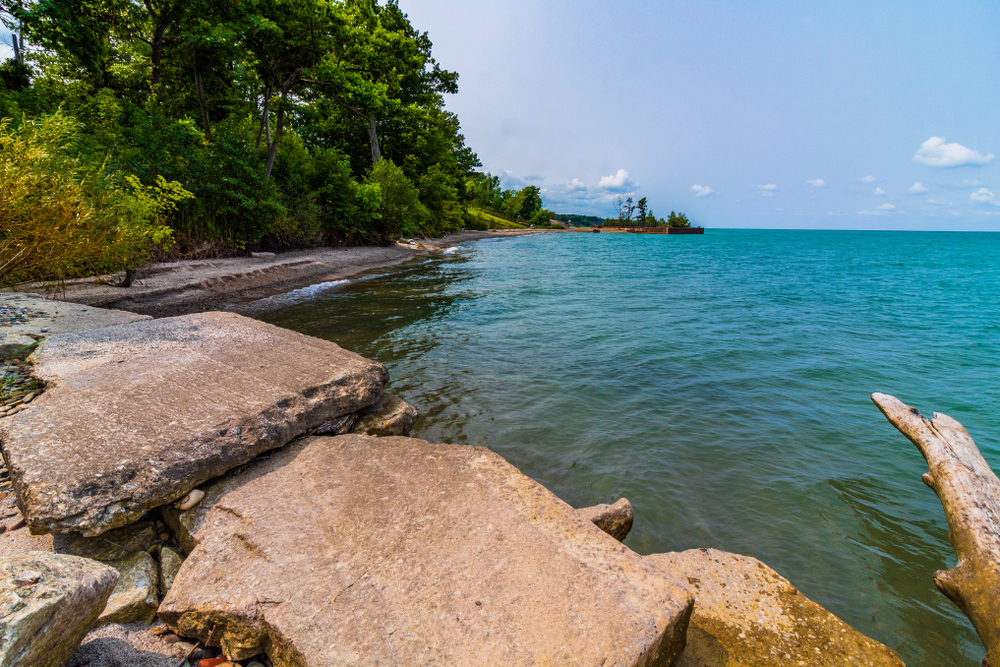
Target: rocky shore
210	490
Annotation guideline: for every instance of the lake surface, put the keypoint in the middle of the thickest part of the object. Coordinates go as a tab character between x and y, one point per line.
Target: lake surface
720	383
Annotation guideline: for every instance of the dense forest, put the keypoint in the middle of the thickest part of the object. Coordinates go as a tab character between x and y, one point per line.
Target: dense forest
218	126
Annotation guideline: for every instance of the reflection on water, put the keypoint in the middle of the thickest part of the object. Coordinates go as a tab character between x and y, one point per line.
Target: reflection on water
720	383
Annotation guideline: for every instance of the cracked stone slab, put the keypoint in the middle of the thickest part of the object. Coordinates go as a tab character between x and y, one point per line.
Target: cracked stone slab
356	550
53	317
136	416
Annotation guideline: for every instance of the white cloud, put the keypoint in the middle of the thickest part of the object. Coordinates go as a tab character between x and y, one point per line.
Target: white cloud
973	182
618	183
932	201
936	153
868	179
816	182
576	185
984	195
886	207
701	190
878	192
767	190
918	189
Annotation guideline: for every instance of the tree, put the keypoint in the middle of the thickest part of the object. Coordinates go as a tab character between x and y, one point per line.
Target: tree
641	207
400	207
525	203
678	220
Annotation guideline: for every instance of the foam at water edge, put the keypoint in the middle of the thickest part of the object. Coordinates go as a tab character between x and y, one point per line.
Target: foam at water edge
295	296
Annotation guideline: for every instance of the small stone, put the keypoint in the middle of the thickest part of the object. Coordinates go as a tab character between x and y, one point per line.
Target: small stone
615	520
213	662
171	639
190	500
27	578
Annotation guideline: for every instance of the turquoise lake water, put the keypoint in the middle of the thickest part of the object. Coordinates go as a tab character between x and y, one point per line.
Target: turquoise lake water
720	383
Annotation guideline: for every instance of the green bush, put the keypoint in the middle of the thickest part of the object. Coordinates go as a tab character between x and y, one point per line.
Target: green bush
402	214
62	215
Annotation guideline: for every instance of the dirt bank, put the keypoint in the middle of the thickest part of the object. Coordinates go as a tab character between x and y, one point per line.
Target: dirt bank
180	288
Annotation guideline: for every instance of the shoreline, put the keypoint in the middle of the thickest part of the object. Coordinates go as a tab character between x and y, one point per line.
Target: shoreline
193	286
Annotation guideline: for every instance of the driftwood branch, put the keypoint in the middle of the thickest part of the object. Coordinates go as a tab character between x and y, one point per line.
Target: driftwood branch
970	494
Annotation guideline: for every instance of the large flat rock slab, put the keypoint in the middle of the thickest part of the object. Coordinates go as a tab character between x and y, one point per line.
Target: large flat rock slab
23	317
48	603
746	614
135	416
355	550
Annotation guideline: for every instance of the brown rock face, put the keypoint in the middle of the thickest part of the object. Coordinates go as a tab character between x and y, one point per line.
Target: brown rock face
746	614
389	416
48	603
135	416
394	551
615	520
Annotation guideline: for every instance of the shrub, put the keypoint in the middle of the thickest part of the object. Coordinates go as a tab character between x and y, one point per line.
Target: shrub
62	216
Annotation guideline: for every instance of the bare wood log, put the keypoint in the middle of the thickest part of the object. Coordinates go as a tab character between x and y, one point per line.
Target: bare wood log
970	494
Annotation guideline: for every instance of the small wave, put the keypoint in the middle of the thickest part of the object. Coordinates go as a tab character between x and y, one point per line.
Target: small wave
452	250
295	296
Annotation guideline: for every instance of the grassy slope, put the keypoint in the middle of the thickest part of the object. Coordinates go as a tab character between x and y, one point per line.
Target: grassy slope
492	221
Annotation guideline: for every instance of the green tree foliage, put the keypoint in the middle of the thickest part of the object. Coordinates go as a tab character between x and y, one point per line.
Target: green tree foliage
678	220
62	215
271	113
400	210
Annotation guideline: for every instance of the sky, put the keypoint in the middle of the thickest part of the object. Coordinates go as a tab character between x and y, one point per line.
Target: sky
828	114
741	113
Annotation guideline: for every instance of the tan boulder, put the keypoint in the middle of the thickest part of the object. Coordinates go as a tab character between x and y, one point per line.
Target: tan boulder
48	603
359	550
388	416
746	614
136	416
136	595
615	520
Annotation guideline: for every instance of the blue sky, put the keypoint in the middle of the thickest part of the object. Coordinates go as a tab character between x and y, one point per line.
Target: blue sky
739	113
833	114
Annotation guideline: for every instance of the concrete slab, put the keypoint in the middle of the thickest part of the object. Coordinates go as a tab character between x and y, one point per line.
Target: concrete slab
136	416
356	550
26	317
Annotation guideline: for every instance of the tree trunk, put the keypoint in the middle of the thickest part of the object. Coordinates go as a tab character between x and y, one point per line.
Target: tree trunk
373	140
273	145
201	101
279	124
127	280
265	119
970	494
18	57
